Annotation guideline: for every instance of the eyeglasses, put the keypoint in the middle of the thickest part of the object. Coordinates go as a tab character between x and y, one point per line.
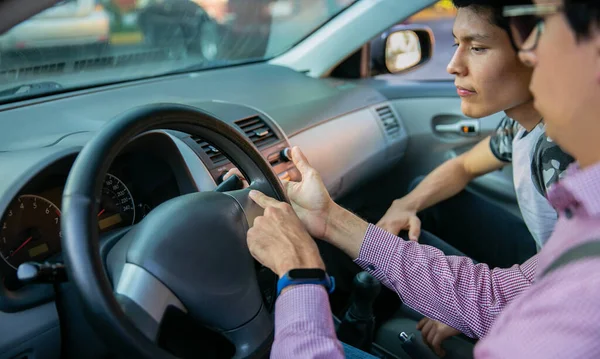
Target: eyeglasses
524	19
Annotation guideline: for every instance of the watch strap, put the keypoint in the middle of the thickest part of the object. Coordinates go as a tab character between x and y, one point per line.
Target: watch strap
286	281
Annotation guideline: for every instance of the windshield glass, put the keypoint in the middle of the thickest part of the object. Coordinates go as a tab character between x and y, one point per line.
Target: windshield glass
81	43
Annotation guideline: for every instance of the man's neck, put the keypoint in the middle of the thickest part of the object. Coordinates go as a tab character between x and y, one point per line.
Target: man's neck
525	114
583	145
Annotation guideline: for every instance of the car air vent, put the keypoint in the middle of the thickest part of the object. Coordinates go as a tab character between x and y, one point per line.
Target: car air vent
389	120
213	153
258	131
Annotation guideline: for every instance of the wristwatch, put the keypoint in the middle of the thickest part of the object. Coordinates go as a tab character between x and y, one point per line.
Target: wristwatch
306	276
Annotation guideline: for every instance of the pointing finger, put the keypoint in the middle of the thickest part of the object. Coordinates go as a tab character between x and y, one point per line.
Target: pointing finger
261	199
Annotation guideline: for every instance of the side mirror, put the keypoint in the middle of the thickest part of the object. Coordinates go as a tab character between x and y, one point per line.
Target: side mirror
401	48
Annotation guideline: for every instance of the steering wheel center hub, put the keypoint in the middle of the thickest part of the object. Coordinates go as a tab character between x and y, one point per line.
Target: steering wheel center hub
196	246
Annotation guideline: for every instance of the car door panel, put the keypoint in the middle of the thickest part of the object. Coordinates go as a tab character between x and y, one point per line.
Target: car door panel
423	105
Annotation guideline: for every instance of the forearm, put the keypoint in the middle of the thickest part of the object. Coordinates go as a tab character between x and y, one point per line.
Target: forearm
450	289
304	325
442	183
345	230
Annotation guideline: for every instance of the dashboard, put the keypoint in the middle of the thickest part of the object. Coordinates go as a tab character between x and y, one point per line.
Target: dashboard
137	182
348	131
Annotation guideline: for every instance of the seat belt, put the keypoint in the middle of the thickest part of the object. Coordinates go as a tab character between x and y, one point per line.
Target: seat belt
582	251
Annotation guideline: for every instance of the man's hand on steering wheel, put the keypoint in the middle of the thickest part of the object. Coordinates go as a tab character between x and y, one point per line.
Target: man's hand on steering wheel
278	240
309	197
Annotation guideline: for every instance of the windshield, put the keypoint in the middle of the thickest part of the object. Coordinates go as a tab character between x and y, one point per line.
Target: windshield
81	43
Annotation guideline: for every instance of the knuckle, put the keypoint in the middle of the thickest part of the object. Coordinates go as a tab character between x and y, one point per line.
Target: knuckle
258	222
286	207
270	211
252	235
279	205
311	172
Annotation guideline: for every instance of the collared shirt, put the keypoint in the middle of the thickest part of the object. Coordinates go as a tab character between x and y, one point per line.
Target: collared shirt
557	317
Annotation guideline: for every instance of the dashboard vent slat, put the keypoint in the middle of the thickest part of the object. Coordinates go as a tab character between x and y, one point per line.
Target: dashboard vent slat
255	128
213	153
389	120
258	131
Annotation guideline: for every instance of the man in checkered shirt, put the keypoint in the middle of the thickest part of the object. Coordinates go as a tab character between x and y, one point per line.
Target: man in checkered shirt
545	308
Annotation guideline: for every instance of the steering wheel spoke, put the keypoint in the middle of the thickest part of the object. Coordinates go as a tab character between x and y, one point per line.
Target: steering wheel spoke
145	299
251	338
251	210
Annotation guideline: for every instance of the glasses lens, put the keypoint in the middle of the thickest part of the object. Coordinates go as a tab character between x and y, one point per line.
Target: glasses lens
521	27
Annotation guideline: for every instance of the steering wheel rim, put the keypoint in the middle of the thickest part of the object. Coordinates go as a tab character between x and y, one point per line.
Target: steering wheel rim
80	240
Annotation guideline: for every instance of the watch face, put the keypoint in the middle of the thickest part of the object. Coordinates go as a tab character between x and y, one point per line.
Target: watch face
316	273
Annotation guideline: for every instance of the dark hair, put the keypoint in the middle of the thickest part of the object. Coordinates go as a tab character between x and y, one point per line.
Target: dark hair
494	9
582	15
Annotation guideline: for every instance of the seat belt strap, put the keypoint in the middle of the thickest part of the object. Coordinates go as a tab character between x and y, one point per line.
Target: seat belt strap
582	251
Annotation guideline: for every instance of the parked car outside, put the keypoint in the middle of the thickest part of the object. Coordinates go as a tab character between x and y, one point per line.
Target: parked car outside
70	22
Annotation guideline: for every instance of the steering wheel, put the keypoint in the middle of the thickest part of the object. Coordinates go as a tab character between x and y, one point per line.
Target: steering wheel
189	254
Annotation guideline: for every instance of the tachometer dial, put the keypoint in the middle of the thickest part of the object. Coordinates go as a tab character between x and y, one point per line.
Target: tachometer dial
117	208
30	230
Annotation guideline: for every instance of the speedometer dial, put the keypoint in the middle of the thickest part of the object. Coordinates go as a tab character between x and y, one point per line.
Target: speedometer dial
117	208
30	230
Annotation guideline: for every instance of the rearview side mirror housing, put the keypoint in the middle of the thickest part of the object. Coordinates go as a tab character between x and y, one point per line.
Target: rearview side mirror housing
401	48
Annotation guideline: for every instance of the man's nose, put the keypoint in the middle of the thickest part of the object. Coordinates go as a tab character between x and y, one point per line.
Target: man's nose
456	66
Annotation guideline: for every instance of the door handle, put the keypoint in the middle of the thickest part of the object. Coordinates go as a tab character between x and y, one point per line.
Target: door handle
461	127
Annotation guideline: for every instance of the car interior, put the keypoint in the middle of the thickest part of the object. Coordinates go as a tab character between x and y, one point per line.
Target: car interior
120	237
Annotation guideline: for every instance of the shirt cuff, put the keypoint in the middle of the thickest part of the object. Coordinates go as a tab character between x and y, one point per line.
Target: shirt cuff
304	308
376	252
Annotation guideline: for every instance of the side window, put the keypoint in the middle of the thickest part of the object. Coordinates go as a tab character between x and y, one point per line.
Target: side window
440	18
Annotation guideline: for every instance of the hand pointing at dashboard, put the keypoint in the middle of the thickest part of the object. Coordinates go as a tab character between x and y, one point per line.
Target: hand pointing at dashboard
320	216
278	239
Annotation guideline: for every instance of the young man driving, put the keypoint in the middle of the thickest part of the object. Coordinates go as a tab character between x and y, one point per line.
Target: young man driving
556	317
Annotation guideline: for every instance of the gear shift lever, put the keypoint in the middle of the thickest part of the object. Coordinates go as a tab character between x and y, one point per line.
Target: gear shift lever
356	328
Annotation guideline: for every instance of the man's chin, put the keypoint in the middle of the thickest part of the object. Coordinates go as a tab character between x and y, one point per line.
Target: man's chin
537	106
474	111
553	132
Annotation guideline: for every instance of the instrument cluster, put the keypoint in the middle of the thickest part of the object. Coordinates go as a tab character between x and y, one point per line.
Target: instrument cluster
30	227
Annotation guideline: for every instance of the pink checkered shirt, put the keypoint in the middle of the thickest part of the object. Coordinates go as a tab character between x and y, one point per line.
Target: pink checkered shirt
557	317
